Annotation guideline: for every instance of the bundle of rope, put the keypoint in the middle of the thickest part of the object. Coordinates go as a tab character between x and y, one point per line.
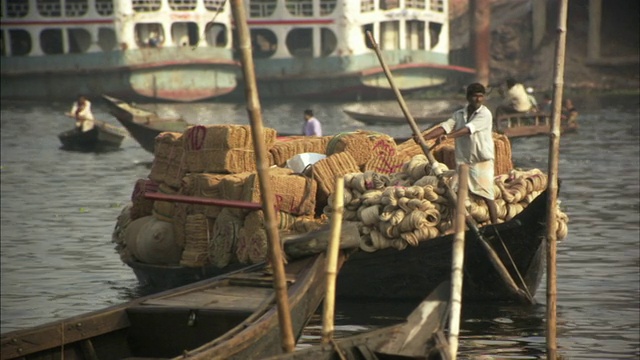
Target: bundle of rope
198	229
222	148
168	163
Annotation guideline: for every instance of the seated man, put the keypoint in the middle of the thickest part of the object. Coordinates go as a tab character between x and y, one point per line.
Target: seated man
516	100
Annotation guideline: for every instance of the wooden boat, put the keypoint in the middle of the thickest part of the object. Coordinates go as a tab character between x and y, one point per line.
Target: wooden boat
103	137
415	271
163	277
388	119
227	317
389	113
533	124
419	337
143	125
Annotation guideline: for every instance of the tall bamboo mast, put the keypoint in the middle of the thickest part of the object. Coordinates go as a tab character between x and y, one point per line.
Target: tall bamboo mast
267	197
552	193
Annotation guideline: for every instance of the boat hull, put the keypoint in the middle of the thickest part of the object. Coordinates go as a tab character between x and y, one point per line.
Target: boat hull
98	139
171	74
415	271
352	77
228	317
143	125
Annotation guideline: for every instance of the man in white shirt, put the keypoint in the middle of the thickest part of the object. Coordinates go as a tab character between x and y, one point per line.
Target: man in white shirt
312	125
471	129
81	111
516	99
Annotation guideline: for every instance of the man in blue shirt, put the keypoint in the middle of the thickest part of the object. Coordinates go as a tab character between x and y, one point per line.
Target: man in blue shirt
312	125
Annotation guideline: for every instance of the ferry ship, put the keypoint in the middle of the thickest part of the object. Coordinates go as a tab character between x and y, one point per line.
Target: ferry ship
319	48
154	50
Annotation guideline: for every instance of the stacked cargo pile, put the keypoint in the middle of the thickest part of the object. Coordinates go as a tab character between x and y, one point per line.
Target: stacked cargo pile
390	191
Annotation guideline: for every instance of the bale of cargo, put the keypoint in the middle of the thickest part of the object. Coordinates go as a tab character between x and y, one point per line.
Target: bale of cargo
284	150
294	193
156	245
198	231
222	148
251	241
231	187
169	162
325	172
140	205
445	152
224	237
206	186
163	210
362	145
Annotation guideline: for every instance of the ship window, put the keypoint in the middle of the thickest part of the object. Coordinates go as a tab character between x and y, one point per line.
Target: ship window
365	28
20	42
389	35
104	7
49	8
415	35
17	8
262	8
214	5
149	35
264	43
216	35
415	4
51	41
367	5
328	41
437	5
79	40
182	5
434	33
106	39
75	8
300	7
389	4
146	5
327	7
300	43
185	33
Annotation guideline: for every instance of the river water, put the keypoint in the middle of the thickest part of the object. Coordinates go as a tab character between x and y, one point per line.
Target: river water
58	210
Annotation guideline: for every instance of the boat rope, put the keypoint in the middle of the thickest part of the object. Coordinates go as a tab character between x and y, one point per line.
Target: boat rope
522	282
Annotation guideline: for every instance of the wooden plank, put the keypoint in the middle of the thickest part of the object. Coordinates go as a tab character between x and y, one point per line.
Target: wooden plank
59	333
224	298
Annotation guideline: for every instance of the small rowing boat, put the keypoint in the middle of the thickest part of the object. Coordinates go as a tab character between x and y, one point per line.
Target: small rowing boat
533	124
101	138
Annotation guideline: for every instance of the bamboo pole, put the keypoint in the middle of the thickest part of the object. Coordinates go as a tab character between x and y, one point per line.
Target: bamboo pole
332	261
498	265
457	261
552	193
267	196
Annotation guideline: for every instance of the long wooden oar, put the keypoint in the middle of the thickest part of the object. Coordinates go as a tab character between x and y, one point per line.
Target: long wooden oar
457	261
255	117
493	256
332	261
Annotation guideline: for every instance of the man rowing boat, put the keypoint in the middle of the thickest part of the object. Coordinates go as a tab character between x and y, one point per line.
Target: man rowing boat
81	111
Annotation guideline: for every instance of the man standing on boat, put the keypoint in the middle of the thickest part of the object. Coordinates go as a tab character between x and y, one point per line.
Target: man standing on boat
312	124
471	129
81	111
